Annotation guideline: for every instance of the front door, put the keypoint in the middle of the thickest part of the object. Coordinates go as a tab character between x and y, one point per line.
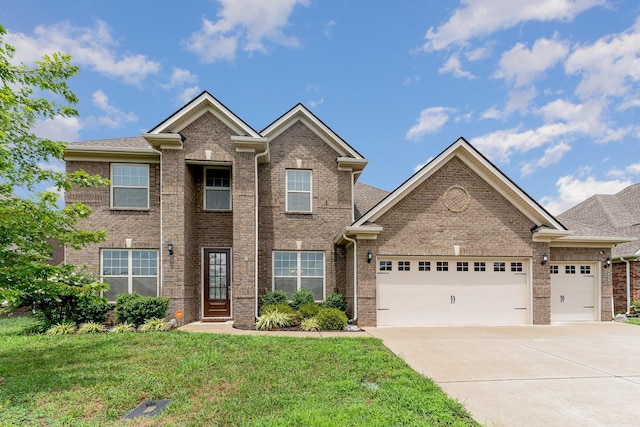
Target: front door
217	281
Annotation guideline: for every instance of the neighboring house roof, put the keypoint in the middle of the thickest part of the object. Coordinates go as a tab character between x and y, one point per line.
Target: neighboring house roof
110	149
615	214
366	197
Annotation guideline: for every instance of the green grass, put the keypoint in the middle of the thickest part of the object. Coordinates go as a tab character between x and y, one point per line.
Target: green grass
633	320
224	380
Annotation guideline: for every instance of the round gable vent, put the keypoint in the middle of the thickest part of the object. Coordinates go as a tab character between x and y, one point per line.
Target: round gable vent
456	199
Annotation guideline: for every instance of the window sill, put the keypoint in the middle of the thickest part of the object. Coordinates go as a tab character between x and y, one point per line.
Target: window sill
112	208
218	210
298	213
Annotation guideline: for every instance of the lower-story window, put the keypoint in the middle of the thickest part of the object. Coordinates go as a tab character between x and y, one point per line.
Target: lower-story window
129	271
293	271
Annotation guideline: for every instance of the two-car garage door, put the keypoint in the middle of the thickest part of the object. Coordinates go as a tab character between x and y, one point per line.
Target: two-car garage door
432	291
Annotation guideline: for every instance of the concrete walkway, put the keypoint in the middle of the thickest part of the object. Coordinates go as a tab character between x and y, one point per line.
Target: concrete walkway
585	374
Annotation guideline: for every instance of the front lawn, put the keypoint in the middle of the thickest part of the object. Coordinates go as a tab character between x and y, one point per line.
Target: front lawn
227	380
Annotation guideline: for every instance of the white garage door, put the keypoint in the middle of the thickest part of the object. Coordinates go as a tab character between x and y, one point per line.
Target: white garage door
427	291
573	292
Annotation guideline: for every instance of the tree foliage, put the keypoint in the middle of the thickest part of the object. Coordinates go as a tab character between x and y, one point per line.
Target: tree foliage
28	227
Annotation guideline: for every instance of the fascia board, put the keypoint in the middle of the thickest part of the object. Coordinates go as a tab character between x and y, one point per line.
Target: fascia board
299	112
105	154
351	164
589	241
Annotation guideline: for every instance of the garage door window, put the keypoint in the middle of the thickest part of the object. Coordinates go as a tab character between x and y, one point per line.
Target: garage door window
569	269
424	266
442	266
462	266
479	266
385	266
554	269
404	265
585	269
499	266
516	267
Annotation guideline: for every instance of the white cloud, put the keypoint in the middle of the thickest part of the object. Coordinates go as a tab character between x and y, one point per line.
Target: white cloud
478	53
114	117
454	67
55	166
180	77
492	113
552	155
629	171
246	25
476	18
519	100
59	129
609	67
93	47
573	190
430	121
411	80
416	168
187	94
315	103
328	28
521	65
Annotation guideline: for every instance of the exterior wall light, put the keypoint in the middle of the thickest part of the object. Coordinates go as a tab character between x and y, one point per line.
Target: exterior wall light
607	262
545	258
170	248
369	256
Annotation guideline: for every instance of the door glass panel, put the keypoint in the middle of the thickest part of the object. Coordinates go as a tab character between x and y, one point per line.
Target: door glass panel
218	276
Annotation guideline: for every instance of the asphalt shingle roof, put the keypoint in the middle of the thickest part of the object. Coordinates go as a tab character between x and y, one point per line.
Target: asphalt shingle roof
131	142
366	197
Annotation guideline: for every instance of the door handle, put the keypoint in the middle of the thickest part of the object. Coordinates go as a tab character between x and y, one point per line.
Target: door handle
452	299
561	298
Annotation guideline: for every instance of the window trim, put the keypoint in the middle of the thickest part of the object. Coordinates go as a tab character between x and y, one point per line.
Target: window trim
298	275
287	191
113	186
130	274
388	265
205	188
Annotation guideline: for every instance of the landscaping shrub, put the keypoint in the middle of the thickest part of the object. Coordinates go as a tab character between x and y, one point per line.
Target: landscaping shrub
336	300
61	329
309	310
331	319
137	309
283	308
122	328
303	296
91	328
310	324
273	298
155	325
71	309
273	319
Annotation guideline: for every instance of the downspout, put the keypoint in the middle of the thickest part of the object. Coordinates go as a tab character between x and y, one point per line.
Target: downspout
355	277
255	274
628	284
161	239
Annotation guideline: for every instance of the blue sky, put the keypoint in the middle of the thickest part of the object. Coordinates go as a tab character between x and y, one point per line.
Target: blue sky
548	90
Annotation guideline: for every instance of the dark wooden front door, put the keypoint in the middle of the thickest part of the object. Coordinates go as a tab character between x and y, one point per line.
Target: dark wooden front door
217	281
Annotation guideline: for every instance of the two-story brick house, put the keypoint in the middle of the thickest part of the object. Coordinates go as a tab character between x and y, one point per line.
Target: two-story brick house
211	213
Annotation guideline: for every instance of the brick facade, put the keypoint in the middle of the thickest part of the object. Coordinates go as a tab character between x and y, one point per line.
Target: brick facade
619	277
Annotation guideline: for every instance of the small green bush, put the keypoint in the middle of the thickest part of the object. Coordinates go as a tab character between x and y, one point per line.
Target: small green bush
71	309
122	328
155	325
331	319
303	296
61	329
335	300
274	298
273	319
283	308
310	324
137	309
308	310
91	328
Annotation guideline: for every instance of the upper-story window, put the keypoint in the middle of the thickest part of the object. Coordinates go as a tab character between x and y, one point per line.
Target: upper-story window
217	189
298	190
129	186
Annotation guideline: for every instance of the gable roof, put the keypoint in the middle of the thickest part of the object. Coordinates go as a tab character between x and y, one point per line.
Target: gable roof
613	214
201	104
463	150
365	197
110	149
302	114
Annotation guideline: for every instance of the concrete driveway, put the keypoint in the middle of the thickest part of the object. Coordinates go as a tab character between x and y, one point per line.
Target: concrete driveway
585	374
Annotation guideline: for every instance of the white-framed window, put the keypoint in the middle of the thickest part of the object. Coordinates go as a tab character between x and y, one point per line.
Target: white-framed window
129	271
424	265
516	267
404	265
553	269
499	266
298	190
569	269
129	186
585	269
385	266
462	266
294	270
479	266
442	266
217	188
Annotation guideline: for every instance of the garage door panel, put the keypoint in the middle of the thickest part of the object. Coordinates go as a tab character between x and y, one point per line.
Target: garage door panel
573	293
460	295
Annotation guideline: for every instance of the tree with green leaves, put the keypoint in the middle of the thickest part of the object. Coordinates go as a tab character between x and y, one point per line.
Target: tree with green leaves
29	226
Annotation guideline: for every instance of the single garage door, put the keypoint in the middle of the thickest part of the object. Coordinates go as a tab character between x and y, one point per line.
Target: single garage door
573	292
431	291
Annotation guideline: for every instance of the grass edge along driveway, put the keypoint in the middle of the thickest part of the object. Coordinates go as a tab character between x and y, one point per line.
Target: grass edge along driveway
227	380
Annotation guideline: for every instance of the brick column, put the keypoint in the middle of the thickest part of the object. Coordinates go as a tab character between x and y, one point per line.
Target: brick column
367	305
541	285
244	238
